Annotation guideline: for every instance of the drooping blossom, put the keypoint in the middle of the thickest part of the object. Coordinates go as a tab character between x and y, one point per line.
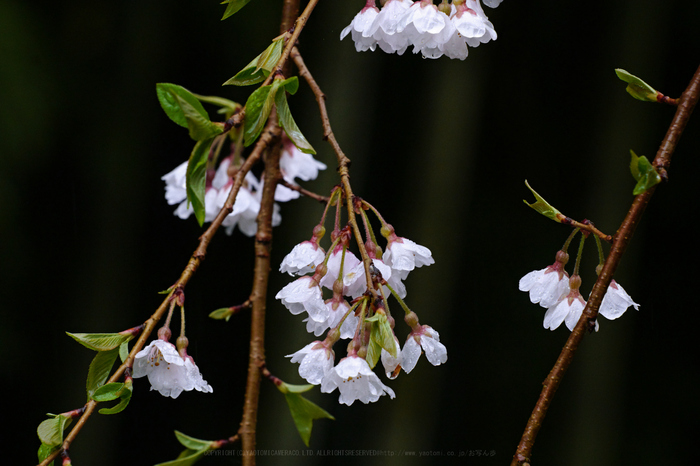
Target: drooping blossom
315	359
167	371
615	302
355	381
423	339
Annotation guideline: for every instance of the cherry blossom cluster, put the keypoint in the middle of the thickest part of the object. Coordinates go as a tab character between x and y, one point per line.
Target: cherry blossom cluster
169	371
446	29
293	164
357	309
552	289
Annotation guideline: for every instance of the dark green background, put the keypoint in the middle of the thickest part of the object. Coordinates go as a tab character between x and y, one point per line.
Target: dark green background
440	147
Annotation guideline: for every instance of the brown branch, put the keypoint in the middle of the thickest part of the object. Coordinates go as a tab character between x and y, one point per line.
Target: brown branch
295	32
263	244
305	192
585	226
343	161
622	238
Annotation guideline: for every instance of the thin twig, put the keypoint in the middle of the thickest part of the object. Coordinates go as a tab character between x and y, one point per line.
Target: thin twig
622	238
343	161
305	192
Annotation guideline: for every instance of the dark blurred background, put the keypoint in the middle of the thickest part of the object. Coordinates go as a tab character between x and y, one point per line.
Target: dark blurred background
441	147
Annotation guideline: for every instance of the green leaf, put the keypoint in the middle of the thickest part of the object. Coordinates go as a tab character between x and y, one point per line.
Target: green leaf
99	371
124	351
124	394
543	206
170	97
291	388
290	127
186	458
167	291
233	7
108	392
185	109
257	111
644	172
195	449
192	443
248	75
291	85
100	341
374	351
260	67
304	412
197	178
45	451
636	87
382	334
223	313
50	431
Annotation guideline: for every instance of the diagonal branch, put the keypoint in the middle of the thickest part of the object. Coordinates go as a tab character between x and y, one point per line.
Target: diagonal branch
343	161
622	238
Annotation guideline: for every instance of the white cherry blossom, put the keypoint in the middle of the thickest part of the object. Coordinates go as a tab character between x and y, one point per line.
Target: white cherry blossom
360	25
355	381
568	310
303	258
384	28
167	371
304	294
548	285
315	359
426	339
615	302
404	254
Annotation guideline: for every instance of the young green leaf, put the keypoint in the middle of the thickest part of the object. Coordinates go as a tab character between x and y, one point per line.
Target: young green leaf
233	7
124	393
186	458
289	125
124	351
170	97
543	206
257	111
291	85
195	449
636	87
260	67
197	178
45	451
100	341
108	392
223	313
50	431
185	109
304	412
192	443
99	371
374	351
644	172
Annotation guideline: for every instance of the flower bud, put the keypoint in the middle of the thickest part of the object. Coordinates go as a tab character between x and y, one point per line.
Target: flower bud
319	231
164	334
411	319
182	343
575	282
562	257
